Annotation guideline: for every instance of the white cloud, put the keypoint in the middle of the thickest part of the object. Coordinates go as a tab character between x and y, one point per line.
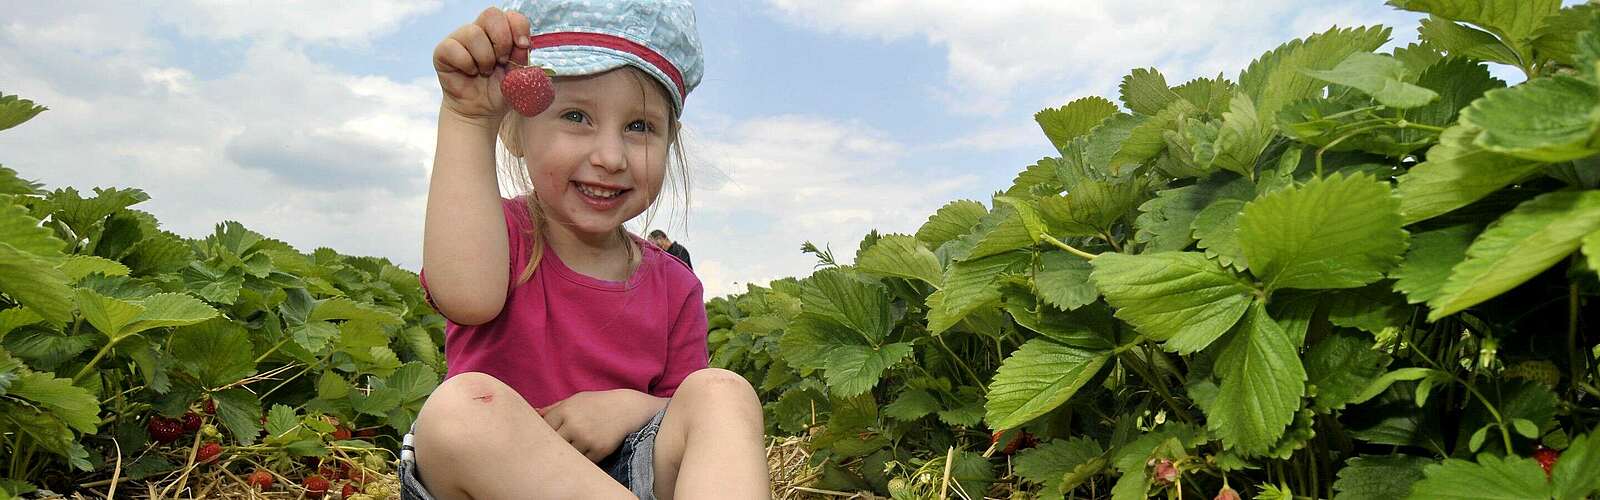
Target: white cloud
346	22
318	156
1007	48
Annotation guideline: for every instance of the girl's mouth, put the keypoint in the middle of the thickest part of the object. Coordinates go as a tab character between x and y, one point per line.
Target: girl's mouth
600	198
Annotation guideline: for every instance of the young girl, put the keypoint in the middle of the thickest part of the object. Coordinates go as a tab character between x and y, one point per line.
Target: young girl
576	351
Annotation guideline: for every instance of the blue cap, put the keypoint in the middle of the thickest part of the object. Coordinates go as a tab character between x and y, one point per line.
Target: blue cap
586	37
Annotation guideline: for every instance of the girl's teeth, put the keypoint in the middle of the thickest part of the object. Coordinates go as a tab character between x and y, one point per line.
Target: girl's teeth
597	192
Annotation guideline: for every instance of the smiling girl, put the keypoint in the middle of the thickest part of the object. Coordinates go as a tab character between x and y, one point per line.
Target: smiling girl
576	351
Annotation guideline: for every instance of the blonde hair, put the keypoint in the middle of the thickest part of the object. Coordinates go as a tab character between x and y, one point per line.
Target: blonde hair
513	173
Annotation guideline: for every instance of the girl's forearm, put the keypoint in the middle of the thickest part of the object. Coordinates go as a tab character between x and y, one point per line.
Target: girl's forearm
464	239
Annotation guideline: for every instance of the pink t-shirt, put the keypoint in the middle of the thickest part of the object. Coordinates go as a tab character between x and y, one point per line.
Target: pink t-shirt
562	332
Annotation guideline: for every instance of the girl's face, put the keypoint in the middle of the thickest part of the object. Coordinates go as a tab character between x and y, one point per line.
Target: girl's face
597	156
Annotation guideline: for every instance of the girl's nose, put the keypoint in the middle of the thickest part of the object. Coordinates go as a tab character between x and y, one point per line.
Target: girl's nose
610	153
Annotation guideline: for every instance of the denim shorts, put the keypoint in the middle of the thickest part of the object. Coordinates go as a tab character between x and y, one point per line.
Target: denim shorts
633	464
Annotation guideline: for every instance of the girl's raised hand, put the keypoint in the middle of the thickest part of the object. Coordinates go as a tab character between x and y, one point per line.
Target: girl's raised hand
472	61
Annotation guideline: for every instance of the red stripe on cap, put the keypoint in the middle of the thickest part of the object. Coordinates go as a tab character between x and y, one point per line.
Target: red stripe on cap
615	43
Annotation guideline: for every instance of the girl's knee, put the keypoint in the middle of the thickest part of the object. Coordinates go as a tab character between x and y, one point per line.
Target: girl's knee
466	397
723	387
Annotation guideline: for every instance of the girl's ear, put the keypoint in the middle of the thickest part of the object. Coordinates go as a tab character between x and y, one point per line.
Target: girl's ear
509	127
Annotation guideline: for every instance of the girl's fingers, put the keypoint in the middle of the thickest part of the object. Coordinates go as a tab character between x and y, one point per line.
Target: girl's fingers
495	24
482	49
519	28
451	56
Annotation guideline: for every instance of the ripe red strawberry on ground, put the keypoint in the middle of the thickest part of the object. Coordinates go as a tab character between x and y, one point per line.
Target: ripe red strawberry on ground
528	90
211	406
260	479
191	422
348	490
341	433
163	429
316	486
1546	457
207	452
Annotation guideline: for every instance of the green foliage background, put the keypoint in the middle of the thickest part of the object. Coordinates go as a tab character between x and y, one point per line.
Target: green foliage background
107	321
1343	273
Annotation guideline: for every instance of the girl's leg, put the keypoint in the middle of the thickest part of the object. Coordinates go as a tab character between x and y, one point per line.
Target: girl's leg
477	438
711	440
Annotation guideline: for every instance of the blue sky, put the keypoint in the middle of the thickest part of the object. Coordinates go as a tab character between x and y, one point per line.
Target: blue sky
312	122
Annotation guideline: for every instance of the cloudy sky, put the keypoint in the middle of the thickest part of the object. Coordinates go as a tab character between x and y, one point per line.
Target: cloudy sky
313	122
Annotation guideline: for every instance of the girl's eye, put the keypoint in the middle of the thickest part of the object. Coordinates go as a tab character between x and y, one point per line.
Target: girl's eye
641	126
574	116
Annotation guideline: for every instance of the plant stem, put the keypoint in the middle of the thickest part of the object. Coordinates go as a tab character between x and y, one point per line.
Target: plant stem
93	361
1160	386
964	368
1574	356
1058	244
273	349
285	382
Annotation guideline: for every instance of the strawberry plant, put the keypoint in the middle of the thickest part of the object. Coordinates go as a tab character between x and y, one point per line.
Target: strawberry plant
1344	272
118	335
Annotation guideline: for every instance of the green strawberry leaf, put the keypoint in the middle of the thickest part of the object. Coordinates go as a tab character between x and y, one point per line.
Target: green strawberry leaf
74	405
1551	119
1458	81
14	111
1489	477
1038	377
1514	22
903	257
1457	173
240	413
1261	382
1148	139
1062	280
1381	77
1217	228
1244	134
855	369
1341	366
77	267
1338	232
1428	262
342	308
1379	477
839	296
1574	474
1050	463
970	285
951	221
1278	77
1066	123
1145	91
1090	208
216	353
1181	298
1523	243
911	405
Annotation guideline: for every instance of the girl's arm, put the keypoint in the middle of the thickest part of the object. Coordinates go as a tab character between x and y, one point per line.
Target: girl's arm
464	247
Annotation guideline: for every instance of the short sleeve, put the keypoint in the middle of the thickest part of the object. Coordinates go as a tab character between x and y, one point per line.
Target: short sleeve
686	344
518	227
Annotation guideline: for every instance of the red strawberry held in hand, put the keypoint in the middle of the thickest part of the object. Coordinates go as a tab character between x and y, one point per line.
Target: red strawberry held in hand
1546	458
528	90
